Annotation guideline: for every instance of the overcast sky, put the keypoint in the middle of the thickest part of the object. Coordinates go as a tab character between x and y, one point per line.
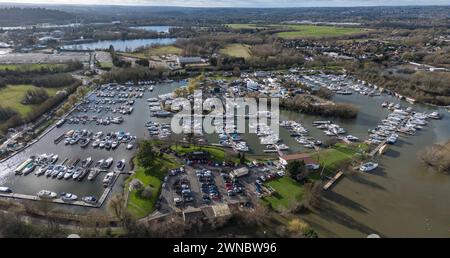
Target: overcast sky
242	3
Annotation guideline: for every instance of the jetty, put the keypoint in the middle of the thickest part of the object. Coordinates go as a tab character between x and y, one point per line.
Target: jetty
332	180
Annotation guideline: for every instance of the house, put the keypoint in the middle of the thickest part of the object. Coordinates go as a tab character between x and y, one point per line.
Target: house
186	60
305	157
239	172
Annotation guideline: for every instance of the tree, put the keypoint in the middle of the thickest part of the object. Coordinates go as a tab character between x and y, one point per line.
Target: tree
117	206
297	170
146	154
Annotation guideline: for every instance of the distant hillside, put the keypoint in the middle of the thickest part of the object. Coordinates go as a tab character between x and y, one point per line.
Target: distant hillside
14	16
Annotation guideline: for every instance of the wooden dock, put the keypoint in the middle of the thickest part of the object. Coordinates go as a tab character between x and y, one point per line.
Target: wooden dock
332	180
377	149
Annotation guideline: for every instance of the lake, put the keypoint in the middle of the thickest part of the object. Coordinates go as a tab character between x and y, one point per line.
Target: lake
121	45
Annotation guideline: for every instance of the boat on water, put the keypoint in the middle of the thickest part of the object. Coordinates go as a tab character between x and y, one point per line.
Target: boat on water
369	166
77	173
86	163
69	173
151	88
41	170
93	173
90	200
29	168
107	163
46	194
61	174
68	197
54	158
108	179
22	166
434	115
120	165
4	189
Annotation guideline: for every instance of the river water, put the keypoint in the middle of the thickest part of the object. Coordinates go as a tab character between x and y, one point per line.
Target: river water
30	184
401	198
120	45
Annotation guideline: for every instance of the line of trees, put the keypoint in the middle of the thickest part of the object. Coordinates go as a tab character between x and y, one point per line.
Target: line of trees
437	156
35	96
308	105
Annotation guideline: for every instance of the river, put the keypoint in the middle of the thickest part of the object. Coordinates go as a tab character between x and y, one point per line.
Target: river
402	198
120	45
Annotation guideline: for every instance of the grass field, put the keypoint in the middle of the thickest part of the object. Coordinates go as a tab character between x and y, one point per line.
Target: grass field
236	50
288	192
11	95
30	67
333	157
238	26
106	65
140	207
308	31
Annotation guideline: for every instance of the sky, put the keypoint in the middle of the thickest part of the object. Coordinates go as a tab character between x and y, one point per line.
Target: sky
242	3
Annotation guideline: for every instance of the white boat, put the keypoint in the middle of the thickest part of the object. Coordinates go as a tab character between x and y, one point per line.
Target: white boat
108	179
53	159
4	189
93	173
28	168
108	162
41	170
46	194
69	173
369	166
130	146
77	173
68	197
120	165
90	200
86	163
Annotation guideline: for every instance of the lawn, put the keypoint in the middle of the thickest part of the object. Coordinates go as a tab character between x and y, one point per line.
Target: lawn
307	31
106	65
140	207
11	95
236	50
332	158
288	192
30	67
238	26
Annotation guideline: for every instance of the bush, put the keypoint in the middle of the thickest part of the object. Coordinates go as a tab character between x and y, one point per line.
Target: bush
146	193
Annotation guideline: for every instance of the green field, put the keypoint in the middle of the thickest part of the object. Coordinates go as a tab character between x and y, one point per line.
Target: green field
236	50
30	67
311	31
238	26
12	95
333	157
287	193
106	65
140	207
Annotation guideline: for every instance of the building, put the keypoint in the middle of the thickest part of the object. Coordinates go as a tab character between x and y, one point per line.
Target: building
186	60
305	157
239	172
